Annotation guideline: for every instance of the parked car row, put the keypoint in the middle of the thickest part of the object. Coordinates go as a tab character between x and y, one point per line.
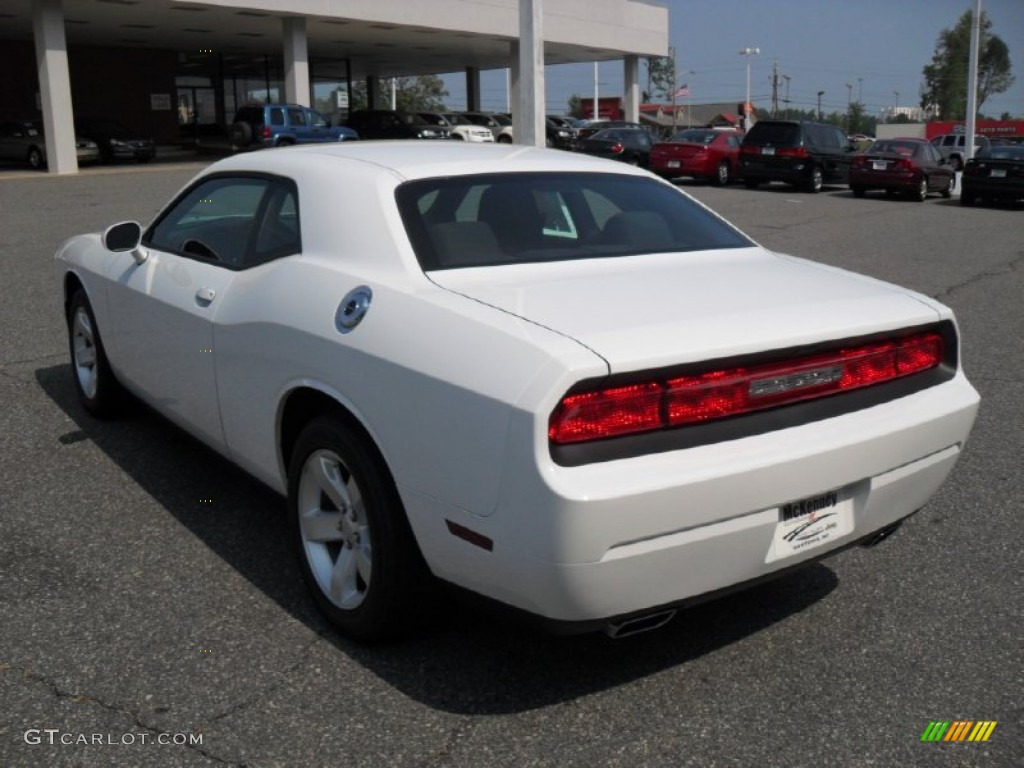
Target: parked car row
97	140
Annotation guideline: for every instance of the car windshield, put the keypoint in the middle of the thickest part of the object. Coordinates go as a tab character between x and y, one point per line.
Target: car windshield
773	133
695	137
412	119
1002	153
904	148
456	119
433	119
500	219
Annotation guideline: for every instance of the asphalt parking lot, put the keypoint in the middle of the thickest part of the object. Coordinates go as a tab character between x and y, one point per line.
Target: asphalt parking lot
134	610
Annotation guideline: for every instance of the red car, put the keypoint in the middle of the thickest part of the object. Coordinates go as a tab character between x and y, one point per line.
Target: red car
910	166
703	153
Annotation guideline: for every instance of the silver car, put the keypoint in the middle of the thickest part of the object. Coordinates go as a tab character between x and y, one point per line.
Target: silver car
24	142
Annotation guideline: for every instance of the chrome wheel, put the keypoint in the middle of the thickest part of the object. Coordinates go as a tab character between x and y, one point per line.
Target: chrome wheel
722	174
83	350
334	528
948	191
922	190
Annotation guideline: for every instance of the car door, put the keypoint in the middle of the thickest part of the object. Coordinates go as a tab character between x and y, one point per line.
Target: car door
931	162
299	122
164	309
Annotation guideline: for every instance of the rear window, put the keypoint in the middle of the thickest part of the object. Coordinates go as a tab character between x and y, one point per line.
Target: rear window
776	134
497	219
695	136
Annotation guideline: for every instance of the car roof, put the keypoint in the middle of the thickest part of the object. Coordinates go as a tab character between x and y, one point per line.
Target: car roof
415	159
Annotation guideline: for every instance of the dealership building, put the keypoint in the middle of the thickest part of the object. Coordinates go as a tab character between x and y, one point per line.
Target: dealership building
172	69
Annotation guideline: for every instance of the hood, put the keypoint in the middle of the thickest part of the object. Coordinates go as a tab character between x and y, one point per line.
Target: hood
655	310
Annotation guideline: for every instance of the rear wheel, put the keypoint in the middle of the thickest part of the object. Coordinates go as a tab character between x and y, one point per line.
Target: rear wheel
240	134
721	177
921	193
504	140
356	550
97	388
816	180
751	183
858	191
966	199
35	158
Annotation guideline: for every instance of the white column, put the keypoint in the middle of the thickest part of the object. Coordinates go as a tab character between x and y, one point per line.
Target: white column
296	60
54	86
472	89
631	82
528	109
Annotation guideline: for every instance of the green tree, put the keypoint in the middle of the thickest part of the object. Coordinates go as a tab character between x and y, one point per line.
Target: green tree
425	93
945	79
661	77
575	106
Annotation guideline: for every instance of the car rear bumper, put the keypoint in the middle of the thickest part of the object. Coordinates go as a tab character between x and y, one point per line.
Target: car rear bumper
885	180
986	188
593	543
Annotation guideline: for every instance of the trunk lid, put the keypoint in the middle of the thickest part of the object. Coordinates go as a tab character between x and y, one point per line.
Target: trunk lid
662	309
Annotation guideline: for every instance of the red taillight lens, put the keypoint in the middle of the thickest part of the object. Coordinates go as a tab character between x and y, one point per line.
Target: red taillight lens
792	152
721	393
750	150
606	413
265	132
860	162
904	165
617	148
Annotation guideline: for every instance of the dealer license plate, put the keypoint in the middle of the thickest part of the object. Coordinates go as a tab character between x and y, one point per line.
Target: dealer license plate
673	163
767	150
813	522
879	165
998	173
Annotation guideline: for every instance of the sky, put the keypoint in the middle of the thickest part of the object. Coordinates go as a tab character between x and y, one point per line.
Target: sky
878	46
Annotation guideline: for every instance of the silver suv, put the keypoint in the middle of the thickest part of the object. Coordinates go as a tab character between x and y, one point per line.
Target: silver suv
952	145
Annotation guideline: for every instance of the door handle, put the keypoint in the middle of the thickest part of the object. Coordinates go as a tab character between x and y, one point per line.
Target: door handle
205	295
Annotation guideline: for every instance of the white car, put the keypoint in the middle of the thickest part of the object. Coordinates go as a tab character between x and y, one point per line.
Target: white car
551	379
461	128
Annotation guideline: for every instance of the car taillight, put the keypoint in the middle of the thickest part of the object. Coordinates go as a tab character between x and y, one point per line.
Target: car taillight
265	132
749	150
616	149
720	393
792	152
860	162
904	165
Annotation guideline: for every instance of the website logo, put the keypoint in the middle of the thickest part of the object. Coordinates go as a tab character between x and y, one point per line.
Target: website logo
958	730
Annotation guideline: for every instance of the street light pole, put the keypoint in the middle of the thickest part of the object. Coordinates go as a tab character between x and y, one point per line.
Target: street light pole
820	94
787	79
748	52
849	98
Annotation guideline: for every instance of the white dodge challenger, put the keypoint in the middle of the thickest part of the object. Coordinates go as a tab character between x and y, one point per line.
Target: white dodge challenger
552	380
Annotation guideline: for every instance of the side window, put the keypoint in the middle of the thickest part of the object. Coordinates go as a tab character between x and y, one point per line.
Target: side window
317	120
296	117
732	141
949	140
234	221
276	116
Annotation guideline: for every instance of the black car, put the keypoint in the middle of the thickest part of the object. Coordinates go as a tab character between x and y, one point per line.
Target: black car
807	155
394	124
995	173
630	145
595	126
117	142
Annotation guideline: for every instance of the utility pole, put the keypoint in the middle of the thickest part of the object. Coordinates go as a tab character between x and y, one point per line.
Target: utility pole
775	88
787	79
820	94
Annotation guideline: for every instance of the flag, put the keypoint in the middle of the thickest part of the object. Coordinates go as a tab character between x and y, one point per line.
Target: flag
683	92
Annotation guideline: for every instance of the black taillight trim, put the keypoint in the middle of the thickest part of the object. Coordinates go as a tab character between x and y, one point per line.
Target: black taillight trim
758	422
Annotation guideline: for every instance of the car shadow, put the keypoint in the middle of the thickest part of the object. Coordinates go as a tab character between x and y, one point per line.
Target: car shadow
468	661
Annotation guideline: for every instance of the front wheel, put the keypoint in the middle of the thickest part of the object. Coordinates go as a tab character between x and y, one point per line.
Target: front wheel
751	183
948	191
35	158
858	191
97	387
356	550
966	199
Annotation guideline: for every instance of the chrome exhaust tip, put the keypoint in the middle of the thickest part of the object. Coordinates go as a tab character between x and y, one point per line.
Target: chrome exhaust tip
638	624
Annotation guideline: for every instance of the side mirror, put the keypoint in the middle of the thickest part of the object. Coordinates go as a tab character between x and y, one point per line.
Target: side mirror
123	237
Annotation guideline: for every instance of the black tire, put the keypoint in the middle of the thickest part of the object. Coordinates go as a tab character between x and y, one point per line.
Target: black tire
957	163
240	134
816	180
721	177
504	139
35	158
858	191
457	137
384	591
947	192
633	160
966	199
97	387
751	183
